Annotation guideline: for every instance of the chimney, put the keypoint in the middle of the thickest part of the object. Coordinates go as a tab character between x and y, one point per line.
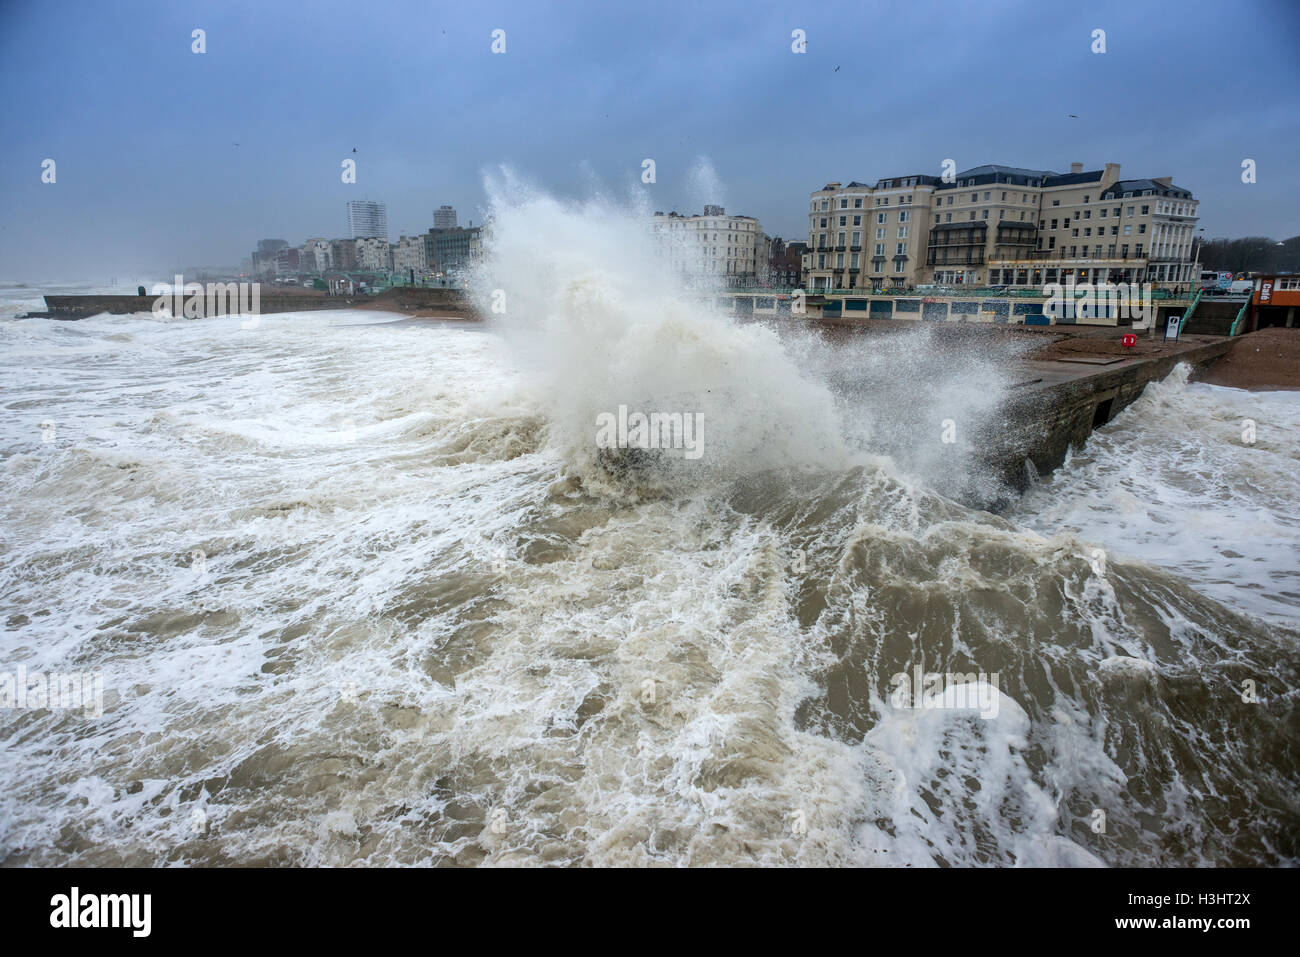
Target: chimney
1110	176
1164	180
1076	167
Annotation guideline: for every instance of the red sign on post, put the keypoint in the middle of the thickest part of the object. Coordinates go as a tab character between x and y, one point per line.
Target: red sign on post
1129	340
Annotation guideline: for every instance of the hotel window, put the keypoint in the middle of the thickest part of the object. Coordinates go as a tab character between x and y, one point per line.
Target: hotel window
902	232
880	249
1066	223
857	238
844	220
841	239
1128	230
1074	252
1085	199
1114	230
853	261
839	260
1123	250
1128	211
972	215
1115	212
821	262
1022	215
1051	242
1075	232
1146	210
1056	202
1004	196
949	200
824	206
985	214
900	266
857	203
1053	224
947	217
880	233
880	217
1087	214
1024	197
1110	251
986	195
1102	214
1087	231
844	204
903	216
823	223
1138	251
1142	229
857	220
900	249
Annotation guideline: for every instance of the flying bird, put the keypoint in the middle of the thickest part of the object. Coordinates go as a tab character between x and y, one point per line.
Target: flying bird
836	70
354	149
1074	116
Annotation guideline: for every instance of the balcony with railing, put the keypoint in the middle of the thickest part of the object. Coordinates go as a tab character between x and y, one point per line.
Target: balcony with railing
956	256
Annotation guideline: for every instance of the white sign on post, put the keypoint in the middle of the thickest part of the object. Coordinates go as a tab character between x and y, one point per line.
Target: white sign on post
1172	330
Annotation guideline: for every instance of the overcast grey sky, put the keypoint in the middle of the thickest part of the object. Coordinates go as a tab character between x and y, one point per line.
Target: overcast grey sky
143	131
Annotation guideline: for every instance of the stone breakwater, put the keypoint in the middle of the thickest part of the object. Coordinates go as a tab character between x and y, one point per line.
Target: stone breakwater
407	300
1060	402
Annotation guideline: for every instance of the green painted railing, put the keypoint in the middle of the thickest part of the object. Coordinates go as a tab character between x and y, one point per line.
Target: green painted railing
1241	314
973	292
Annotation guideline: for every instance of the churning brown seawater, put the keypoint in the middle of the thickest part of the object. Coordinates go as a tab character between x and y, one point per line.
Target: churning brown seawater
359	597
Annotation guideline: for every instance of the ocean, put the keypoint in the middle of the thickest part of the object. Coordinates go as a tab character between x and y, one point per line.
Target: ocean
365	592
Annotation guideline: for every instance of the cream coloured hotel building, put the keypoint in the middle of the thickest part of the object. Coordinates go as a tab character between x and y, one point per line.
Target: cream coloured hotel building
1000	225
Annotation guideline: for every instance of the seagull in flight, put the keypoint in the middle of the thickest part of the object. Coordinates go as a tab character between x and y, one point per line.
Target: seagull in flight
1074	116
836	70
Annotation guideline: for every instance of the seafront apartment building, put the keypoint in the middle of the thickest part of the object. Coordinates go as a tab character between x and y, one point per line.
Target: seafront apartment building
1000	225
367	219
732	250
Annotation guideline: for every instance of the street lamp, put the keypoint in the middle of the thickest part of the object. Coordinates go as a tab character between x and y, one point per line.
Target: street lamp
1200	241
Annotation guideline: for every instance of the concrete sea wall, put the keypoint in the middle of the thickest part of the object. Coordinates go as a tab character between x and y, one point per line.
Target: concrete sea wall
403	299
1043	420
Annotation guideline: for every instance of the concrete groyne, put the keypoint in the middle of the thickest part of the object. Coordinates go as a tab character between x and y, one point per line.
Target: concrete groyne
409	300
1059	403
